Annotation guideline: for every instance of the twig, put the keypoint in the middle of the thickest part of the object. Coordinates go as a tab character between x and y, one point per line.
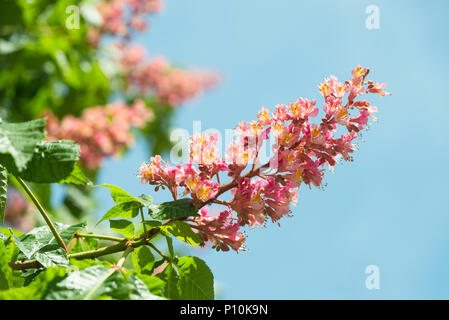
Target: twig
44	214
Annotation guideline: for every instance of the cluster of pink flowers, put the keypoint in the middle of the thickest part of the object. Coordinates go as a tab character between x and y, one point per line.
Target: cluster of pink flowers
101	131
260	192
121	16
157	76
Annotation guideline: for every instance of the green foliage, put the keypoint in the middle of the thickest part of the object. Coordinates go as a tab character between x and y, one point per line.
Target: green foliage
5	270
46	65
36	290
196	281
173	209
183	232
121	196
41	245
76	177
143	260
170	289
154	284
127	206
52	161
122	226
99	282
125	210
18	142
189	279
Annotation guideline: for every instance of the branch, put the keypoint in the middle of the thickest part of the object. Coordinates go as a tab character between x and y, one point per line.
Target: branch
118	247
99	236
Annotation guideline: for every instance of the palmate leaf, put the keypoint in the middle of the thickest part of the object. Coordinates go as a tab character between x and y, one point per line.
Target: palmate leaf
143	260
127	206
125	210
121	196
5	270
98	282
41	245
52	162
24	154
38	287
3	192
173	209
183	232
196	281
153	283
122	226
76	177
18	142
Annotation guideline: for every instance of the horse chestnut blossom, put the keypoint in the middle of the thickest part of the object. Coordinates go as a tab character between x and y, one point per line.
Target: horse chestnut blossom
101	131
156	76
119	17
261	192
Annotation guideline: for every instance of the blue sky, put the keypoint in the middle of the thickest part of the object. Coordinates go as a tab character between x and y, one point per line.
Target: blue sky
389	207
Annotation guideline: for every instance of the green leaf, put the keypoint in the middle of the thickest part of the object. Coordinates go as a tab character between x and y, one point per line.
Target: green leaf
8	231
145	200
139	290
174	209
183	232
121	196
8	278
5	270
85	263
18	142
3	192
3	238
85	244
98	282
196	281
152	223
127	206
125	227
40	243
89	283
125	210
52	162
143	260
52	255
38	286
76	177
154	284
170	277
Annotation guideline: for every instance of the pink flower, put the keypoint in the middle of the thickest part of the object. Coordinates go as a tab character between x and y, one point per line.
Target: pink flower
170	85
101	131
263	192
222	231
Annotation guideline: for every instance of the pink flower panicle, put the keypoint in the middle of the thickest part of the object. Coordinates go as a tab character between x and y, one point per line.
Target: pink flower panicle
101	131
222	230
156	76
303	149
122	16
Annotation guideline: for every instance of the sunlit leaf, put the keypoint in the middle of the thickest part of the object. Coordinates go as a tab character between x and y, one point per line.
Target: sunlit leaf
143	260
196	281
183	232
124	227
174	209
